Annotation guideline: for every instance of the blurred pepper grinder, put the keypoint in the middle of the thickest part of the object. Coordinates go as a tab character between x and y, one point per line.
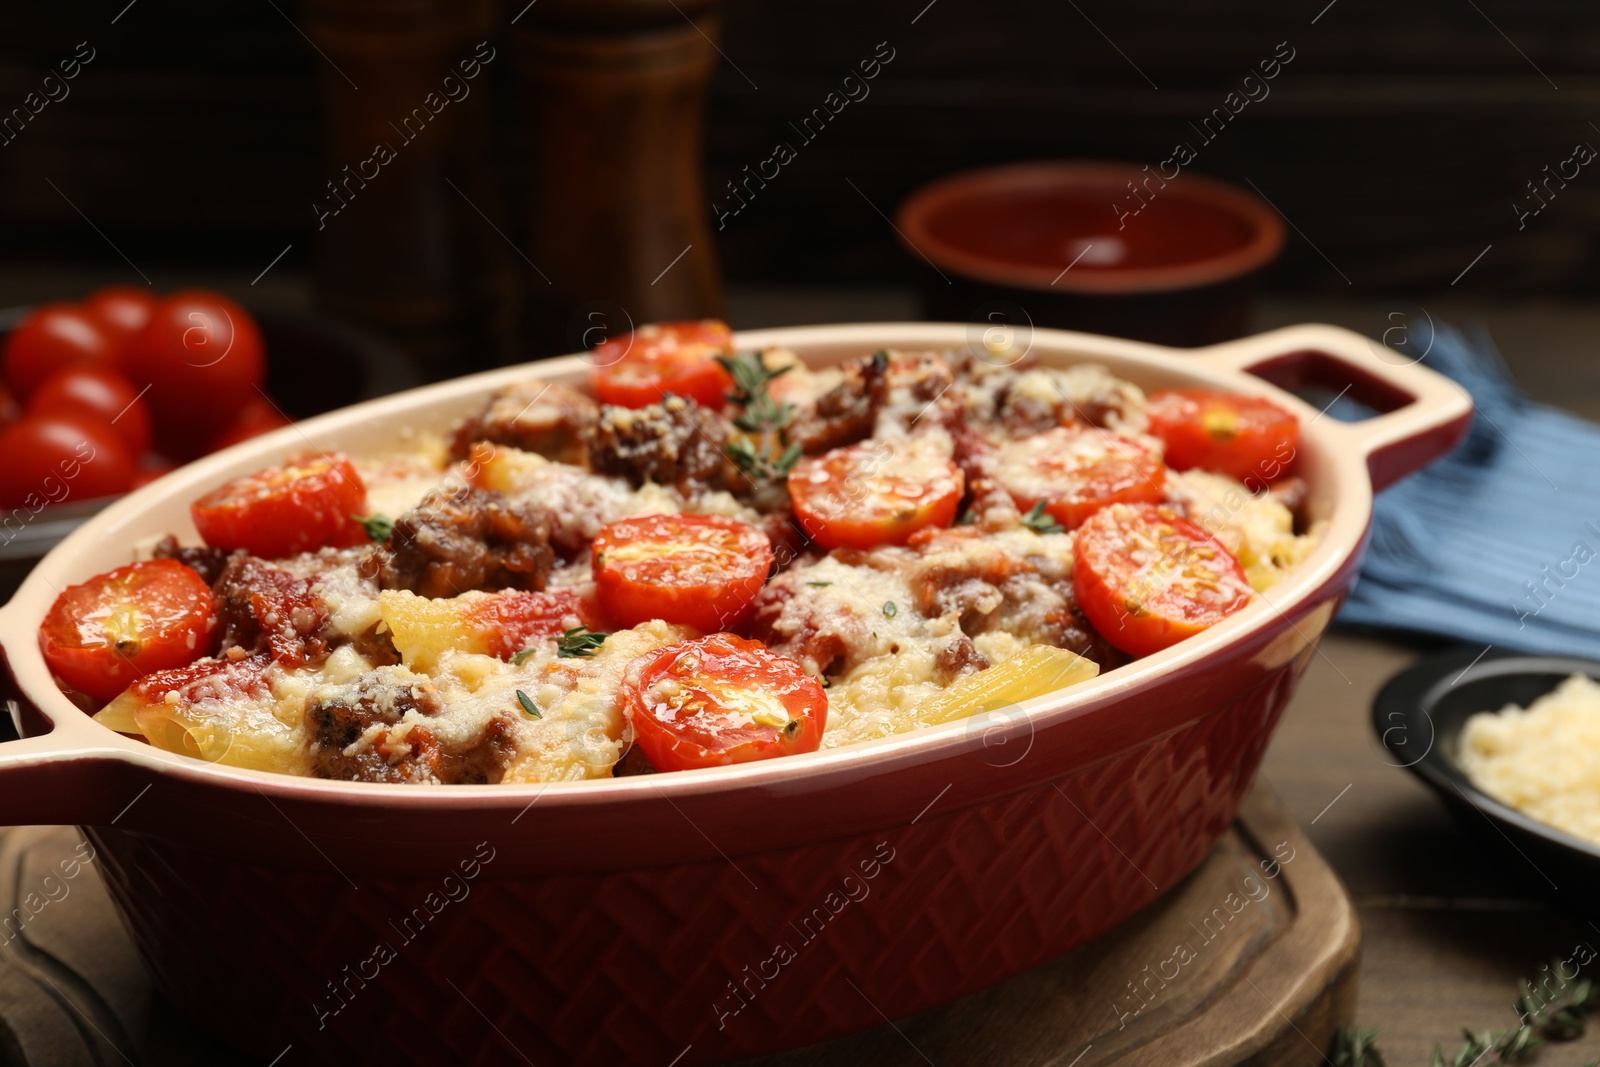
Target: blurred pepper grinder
615	94
407	219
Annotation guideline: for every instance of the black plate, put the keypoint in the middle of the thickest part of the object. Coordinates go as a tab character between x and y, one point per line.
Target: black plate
1418	716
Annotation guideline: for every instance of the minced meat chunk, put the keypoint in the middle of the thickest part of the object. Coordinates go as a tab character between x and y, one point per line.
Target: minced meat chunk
463	539
535	416
345	745
674	443
261	608
205	561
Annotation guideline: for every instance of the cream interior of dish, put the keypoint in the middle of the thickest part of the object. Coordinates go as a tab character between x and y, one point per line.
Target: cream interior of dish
903	636
1543	760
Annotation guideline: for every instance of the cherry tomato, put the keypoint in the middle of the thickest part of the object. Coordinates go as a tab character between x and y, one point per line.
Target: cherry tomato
201	355
8	406
258	416
96	395
1147	578
641	367
298	507
1247	438
53	457
52	337
123	309
874	493
719	700
516	619
103	635
1078	470
699	570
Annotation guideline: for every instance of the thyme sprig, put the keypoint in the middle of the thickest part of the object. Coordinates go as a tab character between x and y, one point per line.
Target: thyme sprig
1547	1013
1040	521
378	526
529	708
580	642
766	454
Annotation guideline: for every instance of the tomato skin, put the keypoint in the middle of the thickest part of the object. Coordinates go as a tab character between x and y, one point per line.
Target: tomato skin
641	367
301	506
874	493
201	354
98	395
104	635
258	416
53	337
53	457
123	309
1248	438
1147	578
702	571
1078	470
679	700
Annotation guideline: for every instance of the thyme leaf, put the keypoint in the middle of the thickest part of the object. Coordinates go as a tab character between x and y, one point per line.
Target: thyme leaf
579	642
528	706
378	527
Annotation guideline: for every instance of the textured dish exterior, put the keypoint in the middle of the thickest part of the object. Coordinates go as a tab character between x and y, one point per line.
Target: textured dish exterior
613	920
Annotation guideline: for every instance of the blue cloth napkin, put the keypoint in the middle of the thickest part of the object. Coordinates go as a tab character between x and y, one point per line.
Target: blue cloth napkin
1499	542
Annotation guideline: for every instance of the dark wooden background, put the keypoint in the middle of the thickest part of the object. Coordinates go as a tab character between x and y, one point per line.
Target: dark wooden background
1396	141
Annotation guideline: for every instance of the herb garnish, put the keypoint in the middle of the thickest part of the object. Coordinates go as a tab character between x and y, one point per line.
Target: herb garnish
579	642
1039	521
819	585
767	455
378	527
522	657
1546	1014
751	376
528	706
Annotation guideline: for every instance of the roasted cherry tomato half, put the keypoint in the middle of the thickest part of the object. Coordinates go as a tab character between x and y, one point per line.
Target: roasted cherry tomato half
201	355
56	456
641	367
1077	471
51	338
98	395
875	493
698	570
102	636
1248	438
719	700
1147	578
515	619
281	511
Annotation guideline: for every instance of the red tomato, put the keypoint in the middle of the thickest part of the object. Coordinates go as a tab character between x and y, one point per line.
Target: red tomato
201	355
258	416
54	336
1077	471
641	367
1147	579
699	570
1247	438
123	309
874	493
103	635
719	700
8	406
53	457
96	395
298	507
515	619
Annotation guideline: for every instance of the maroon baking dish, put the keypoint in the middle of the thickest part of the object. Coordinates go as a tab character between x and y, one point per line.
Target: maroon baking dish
700	916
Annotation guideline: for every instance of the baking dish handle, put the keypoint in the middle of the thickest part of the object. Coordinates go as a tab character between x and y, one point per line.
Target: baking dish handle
1422	416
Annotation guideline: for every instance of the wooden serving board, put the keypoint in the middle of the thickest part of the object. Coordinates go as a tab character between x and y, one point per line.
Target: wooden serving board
1251	960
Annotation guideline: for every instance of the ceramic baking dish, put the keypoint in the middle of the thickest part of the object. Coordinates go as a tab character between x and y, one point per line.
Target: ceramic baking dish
694	917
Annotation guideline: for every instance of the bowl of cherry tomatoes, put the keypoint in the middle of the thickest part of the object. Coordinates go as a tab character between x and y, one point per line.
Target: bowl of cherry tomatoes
104	395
